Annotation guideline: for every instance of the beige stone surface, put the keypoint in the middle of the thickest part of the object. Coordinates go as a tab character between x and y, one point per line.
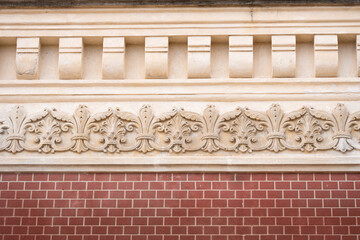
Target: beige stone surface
113	59
283	56
326	55
70	58
241	56
156	57
358	54
27	58
199	56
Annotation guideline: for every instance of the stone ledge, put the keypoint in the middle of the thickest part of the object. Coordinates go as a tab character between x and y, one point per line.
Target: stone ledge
164	3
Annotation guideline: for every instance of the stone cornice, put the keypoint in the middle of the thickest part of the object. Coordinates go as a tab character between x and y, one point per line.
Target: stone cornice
167	3
88	89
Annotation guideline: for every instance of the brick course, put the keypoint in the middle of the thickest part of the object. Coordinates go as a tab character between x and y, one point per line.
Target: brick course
179	206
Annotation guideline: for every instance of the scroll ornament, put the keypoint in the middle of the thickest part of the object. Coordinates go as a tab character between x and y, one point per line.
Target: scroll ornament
179	131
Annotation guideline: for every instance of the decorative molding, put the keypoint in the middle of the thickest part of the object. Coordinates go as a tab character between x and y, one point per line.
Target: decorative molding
179	131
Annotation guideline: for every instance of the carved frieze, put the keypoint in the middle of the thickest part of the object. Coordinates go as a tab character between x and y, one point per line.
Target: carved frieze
178	131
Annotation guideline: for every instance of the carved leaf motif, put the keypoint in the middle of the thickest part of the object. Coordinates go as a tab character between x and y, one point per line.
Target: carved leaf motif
47	128
38	116
144	138
321	114
166	116
101	116
127	116
15	140
211	137
275	135
191	116
275	115
230	115
146	116
211	116
3	127
81	118
341	135
295	114
258	116
241	130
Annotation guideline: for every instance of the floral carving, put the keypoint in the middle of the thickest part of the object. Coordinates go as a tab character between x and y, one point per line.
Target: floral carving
48	127
211	136
243	125
113	127
145	138
180	131
276	134
177	127
309	126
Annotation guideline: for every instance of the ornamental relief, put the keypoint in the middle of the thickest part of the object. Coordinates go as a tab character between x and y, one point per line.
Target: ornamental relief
241	130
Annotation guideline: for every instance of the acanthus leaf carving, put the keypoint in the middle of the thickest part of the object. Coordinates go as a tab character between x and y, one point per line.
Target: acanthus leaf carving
179	131
308	126
177	128
242	127
47	128
112	128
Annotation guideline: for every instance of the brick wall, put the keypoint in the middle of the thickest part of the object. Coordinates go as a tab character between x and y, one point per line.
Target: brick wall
179	206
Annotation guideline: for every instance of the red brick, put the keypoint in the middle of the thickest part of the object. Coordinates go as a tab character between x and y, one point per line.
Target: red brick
227	194
259	212
164	176
133	177
282	185
211	177
117	176
69	177
63	185
196	194
9	176
109	185
70	194
219	185
267	185
117	194
141	185
251	185
243	212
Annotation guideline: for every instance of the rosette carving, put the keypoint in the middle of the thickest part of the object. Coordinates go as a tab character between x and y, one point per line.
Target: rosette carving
180	131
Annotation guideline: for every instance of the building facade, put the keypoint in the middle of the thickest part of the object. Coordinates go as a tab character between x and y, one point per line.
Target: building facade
164	120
